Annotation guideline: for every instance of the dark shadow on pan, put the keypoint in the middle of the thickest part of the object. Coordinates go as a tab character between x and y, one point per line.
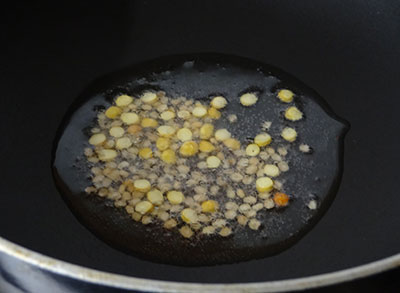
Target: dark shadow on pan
199	76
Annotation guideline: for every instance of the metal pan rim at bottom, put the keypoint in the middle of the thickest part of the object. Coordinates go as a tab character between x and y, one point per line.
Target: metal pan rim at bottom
132	283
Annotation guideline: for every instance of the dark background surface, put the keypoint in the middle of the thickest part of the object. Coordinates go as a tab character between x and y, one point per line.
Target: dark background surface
346	51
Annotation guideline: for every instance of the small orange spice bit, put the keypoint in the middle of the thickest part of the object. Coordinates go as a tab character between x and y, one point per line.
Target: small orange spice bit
281	199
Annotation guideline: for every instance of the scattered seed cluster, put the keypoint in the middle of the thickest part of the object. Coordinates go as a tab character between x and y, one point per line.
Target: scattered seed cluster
163	161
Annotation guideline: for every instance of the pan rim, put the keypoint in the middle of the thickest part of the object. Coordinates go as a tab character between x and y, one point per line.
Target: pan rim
133	283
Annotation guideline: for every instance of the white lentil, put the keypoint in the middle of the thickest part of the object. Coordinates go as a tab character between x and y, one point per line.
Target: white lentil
225	231
208	230
312	205
230	205
258	206
264	195
254	224
230	214
250	200
269	203
244	208
219	223
240	193
251	213
232	118
283	166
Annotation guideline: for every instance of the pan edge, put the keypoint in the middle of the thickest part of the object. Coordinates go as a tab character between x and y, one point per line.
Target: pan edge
93	276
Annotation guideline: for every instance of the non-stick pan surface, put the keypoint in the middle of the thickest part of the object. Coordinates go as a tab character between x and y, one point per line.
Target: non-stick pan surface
347	52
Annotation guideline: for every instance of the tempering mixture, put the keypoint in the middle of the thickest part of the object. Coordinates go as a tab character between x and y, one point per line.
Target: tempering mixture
165	161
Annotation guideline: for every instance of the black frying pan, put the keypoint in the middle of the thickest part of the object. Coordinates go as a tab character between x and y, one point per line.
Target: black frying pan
346	52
